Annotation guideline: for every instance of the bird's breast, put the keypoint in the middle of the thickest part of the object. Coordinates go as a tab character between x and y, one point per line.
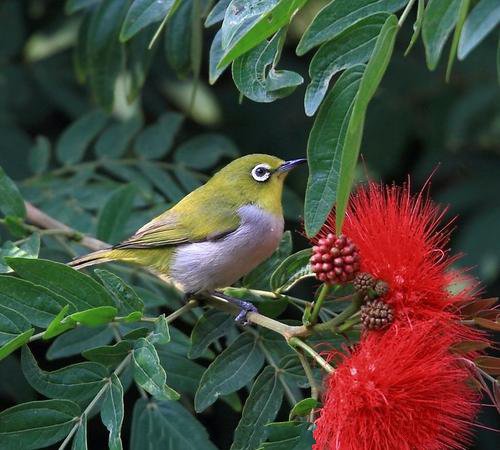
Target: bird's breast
212	264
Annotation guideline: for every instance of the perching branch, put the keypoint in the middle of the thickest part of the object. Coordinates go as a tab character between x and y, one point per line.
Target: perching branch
291	333
44	221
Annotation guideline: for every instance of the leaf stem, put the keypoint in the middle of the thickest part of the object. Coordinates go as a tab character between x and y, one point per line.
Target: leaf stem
333	324
323	293
405	13
315	389
296	342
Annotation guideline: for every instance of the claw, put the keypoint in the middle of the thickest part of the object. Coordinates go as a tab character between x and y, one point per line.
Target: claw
246	307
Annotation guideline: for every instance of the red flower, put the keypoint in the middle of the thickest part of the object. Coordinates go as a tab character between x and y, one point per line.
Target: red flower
401	240
400	390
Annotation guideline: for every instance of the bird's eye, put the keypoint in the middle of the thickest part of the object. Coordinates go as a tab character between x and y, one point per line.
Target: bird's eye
261	173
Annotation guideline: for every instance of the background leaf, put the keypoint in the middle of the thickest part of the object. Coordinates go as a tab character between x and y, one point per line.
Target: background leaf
74	141
483	19
37	424
11	202
439	20
114	214
168	425
230	371
260	408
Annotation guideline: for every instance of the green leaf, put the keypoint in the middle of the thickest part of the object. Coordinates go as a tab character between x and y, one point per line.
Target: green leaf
143	13
114	141
255	81
370	81
161	180
77	289
216	15
106	53
78	382
155	141
126	298
261	407
13	344
80	52
75	139
73	6
352	47
205	151
209	327
215	55
108	355
80	439
178	39
28	249
417	26
148	372
462	15
114	214
325	146
139	59
160	334
168	426
293	269
260	277
78	341
37	424
112	412
184	375
230	371
483	19
37	304
11	324
59	325
239	36
304	407
11	202
95	316
289	436
39	156
339	15
440	18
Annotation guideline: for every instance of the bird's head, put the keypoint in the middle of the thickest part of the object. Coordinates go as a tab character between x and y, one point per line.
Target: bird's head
256	179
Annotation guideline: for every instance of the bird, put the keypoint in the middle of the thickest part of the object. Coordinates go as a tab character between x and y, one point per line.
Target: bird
214	235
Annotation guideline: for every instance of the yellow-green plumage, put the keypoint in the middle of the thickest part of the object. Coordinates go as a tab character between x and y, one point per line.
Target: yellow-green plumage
213	213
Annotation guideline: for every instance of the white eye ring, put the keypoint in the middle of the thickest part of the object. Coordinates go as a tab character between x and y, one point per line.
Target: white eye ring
261	172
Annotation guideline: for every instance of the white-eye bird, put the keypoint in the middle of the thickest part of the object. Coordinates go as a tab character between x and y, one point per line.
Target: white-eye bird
214	235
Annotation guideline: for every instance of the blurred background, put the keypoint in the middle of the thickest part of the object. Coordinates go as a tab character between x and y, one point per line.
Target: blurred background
417	125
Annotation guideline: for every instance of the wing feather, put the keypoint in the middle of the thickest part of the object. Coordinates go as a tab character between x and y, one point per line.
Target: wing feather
209	221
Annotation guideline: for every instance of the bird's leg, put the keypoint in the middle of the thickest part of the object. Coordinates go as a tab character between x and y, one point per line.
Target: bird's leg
246	307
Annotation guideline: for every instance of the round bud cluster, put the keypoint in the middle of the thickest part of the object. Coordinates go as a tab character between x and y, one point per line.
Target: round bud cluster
381	288
376	314
335	259
363	282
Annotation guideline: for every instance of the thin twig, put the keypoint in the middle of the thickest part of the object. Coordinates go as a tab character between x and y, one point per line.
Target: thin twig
296	342
121	367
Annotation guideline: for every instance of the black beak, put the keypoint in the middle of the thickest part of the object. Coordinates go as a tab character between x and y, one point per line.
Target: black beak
289	165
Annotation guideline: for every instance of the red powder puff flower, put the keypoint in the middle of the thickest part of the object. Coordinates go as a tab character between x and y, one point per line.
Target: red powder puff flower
402	390
401	240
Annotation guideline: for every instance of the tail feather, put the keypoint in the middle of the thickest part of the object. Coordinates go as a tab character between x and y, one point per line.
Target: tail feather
92	259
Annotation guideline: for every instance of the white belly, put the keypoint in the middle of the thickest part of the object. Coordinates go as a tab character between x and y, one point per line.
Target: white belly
208	265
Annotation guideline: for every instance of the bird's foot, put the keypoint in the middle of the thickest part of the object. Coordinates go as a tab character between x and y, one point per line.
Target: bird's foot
245	307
